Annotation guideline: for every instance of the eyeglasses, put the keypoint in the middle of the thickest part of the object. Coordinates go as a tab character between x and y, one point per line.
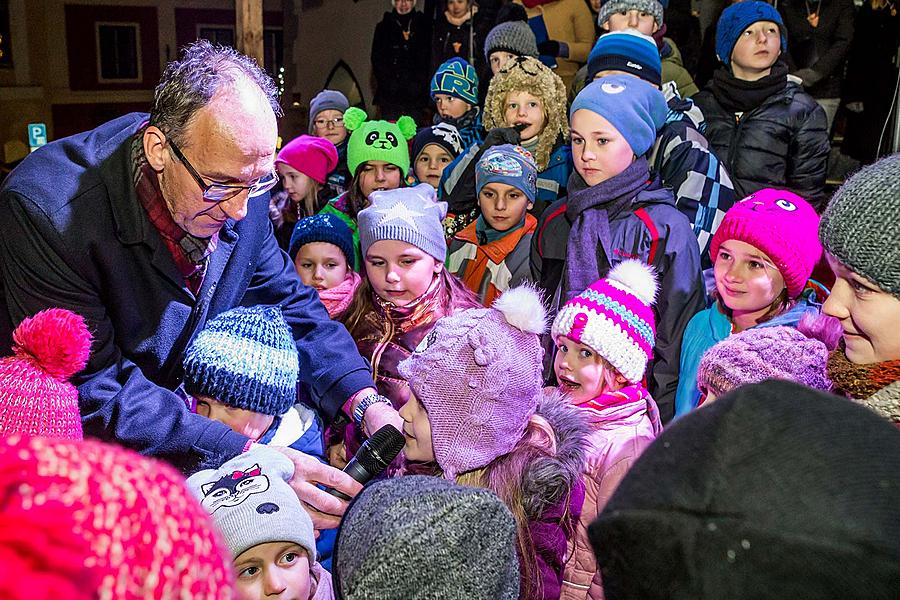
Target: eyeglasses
220	192
335	122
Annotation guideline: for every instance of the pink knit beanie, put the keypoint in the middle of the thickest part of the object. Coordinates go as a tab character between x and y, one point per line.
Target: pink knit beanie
614	317
313	156
478	374
36	397
783	226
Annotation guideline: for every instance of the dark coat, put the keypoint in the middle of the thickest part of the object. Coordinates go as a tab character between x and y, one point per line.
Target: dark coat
76	236
782	143
447	37
401	66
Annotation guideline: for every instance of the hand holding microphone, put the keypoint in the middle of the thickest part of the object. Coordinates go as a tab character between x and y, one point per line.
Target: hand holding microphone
373	457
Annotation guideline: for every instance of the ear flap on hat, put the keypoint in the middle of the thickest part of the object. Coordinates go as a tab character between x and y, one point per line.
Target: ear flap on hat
354	117
407	126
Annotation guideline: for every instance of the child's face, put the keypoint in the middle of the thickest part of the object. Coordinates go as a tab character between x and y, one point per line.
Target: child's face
502	205
296	184
756	50
525	109
246	422
499	58
321	265
746	279
375	175
329	124
430	164
450	107
598	149
399	272
273	570
417	431
581	372
457	8
631	19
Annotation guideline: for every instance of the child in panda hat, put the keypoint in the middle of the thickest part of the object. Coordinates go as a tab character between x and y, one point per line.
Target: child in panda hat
604	337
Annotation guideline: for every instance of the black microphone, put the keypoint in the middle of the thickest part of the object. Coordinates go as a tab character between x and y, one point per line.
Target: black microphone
373	457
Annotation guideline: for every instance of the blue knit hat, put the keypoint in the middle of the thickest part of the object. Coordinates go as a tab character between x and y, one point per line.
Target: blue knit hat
412	215
512	165
633	106
323	227
457	78
246	358
738	17
630	51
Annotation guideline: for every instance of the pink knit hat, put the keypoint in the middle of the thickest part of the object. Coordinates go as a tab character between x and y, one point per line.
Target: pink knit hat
614	317
783	226
478	374
313	156
35	395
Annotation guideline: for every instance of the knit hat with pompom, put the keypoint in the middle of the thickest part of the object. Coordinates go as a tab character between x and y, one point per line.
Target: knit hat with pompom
378	140
36	397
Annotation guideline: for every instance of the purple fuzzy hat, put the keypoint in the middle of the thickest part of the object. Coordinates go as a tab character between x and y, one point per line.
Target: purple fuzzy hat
478	374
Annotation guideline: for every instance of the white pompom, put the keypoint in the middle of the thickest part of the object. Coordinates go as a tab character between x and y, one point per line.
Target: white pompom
523	309
636	276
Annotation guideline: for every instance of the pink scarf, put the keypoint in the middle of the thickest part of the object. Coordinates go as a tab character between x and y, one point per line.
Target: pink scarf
338	298
622	404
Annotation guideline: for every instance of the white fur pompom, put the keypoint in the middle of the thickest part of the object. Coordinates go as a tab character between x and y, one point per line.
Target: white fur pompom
636	276
523	309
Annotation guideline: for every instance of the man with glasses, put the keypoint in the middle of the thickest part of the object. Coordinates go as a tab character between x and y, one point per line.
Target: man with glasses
150	225
326	120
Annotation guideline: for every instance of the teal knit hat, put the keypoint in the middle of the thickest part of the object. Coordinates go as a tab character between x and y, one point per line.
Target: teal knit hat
456	77
377	140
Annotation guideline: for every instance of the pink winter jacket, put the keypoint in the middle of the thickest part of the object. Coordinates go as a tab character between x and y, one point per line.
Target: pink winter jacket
620	432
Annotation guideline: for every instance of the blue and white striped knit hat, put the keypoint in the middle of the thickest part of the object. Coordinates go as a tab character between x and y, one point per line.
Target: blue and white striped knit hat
246	358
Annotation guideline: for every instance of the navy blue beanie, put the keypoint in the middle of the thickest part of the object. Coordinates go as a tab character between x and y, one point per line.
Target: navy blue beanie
630	51
245	358
739	17
512	165
456	77
323	228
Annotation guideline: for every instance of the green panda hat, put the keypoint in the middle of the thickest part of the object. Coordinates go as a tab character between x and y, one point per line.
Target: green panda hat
377	140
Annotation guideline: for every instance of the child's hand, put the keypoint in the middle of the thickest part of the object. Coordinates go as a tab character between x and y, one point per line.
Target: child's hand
379	415
337	455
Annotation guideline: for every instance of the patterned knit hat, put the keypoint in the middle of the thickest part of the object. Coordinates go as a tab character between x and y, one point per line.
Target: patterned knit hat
630	51
86	519
651	7
456	78
738	17
861	225
323	227
311	155
326	100
424	537
783	226
512	165
36	397
246	358
378	140
515	37
444	135
614	317
478	374
412	215
251	502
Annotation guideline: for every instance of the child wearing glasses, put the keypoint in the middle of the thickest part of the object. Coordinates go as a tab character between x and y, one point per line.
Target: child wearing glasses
326	120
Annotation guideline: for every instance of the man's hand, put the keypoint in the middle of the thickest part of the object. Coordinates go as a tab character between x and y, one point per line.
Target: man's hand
324	509
381	414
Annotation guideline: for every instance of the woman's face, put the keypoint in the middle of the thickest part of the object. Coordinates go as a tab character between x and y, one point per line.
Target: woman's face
746	279
457	8
525	109
296	184
377	175
399	272
417	431
404	7
430	164
598	149
869	315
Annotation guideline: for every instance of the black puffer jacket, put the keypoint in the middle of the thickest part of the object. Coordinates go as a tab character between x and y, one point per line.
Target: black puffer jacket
782	143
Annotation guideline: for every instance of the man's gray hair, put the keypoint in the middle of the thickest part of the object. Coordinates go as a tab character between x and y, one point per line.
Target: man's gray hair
188	84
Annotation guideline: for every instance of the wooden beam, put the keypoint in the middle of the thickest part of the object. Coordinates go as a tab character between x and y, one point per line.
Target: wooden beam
249	28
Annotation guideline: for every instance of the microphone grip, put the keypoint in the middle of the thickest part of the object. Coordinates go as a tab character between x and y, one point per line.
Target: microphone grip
357	472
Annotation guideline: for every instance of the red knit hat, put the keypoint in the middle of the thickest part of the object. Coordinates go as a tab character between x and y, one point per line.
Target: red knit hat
92	520
313	156
36	397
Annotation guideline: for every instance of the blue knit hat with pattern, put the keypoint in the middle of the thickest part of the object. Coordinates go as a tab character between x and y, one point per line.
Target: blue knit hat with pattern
738	17
633	106
323	228
245	358
457	78
512	165
628	50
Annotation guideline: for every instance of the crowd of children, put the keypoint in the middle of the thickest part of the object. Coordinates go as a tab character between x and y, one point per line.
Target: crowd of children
586	411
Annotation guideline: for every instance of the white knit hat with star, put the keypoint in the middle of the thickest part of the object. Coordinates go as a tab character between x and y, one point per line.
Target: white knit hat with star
412	215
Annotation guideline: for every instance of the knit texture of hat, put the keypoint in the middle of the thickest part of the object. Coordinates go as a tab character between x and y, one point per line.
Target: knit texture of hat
651	7
412	215
424	537
634	107
478	374
630	51
323	227
85	519
738	17
378	140
614	317
245	358
527	74
327	100
251	502
512	165
312	156
457	78
515	37
780	224
36	397
788	492
861	224
444	135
